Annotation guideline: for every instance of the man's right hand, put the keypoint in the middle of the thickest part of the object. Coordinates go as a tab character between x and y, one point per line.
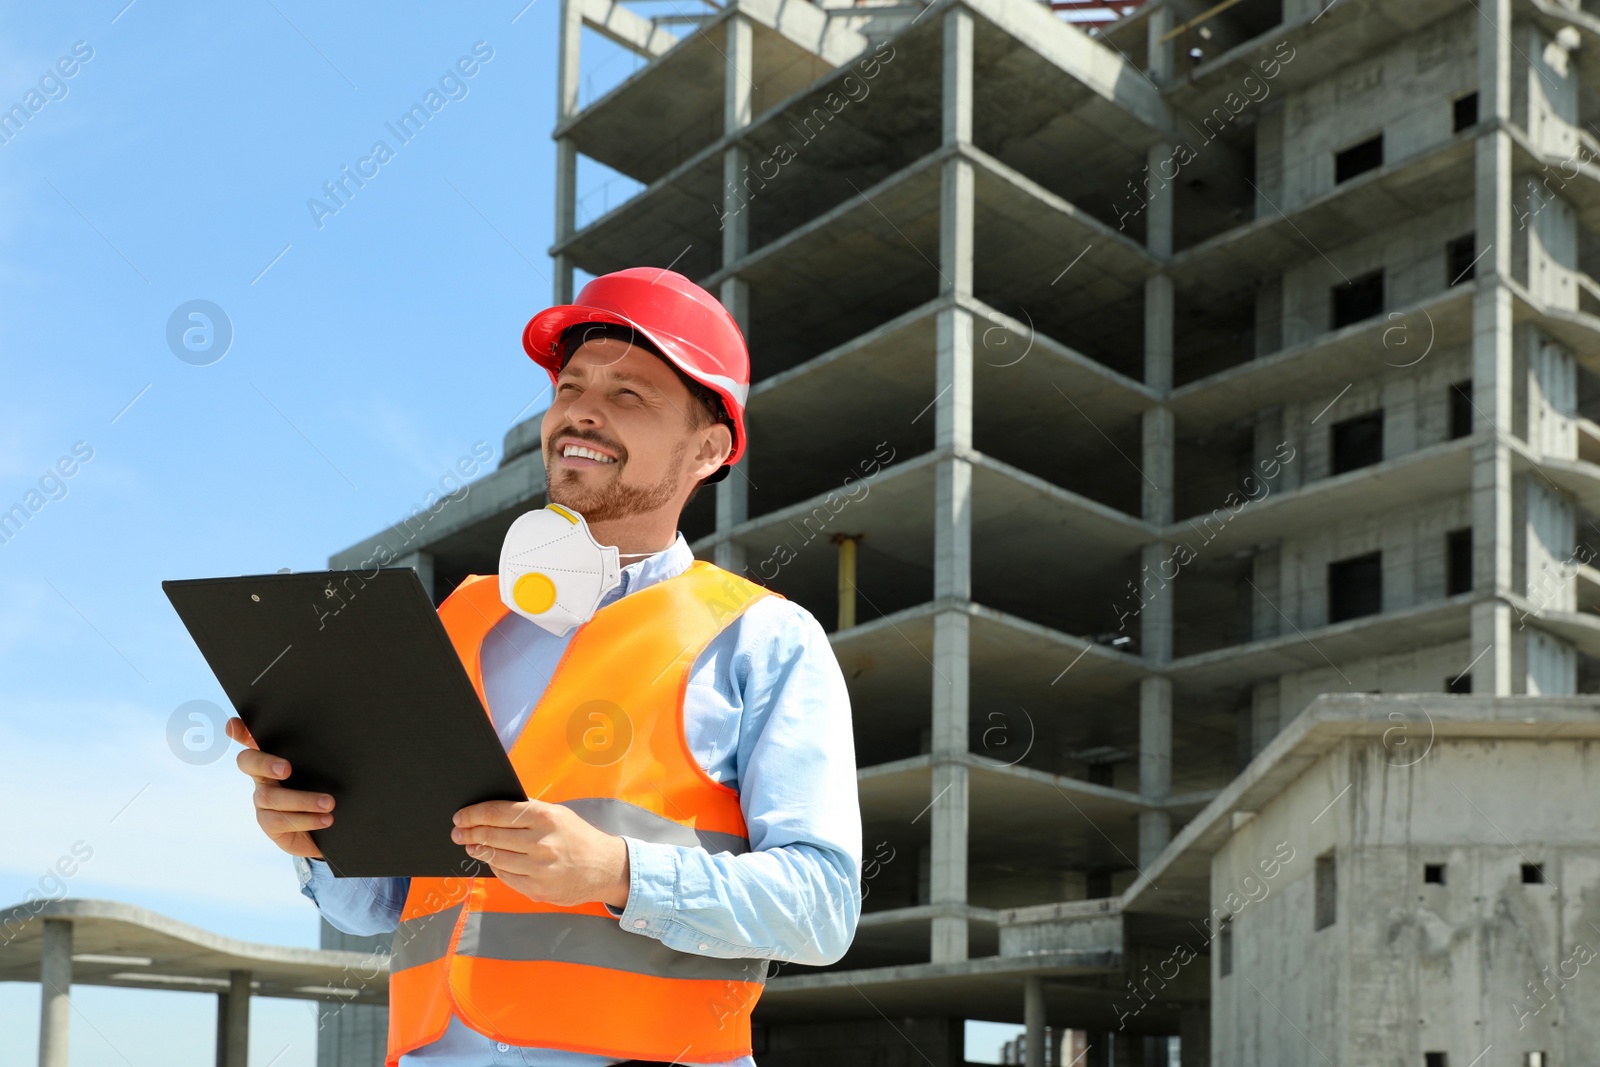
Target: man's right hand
285	815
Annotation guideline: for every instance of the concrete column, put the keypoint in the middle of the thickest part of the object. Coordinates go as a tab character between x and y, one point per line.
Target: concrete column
566	217
1492	365
952	564
1155	765
1194	1035
422	563
1158	213
736	115
233	1022
567	66
1160	52
956	208
221	1029
952	580
1155	596
739	73
1160	433
1158	301
55	992
1158	500
1033	1019
733	492
733	508
567	63
957	87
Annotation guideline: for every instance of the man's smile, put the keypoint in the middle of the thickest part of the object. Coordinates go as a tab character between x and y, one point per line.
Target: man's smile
573	452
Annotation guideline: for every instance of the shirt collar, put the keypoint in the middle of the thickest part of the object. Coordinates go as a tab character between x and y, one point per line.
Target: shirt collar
668	563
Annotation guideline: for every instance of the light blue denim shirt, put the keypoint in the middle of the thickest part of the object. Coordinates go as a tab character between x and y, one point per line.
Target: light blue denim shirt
766	712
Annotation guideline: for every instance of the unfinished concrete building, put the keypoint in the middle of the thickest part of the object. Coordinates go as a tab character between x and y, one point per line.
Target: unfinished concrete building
1115	395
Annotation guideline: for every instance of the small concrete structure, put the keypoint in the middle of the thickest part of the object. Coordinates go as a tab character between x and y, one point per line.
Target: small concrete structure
102	942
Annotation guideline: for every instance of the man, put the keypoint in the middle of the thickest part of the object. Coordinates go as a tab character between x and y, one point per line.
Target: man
714	823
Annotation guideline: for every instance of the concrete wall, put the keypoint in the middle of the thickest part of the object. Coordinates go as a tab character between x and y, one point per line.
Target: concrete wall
1415	406
1409	967
1413	544
1413	262
1274	704
1544	90
1403	91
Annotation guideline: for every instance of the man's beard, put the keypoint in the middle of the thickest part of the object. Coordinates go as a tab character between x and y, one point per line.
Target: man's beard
612	500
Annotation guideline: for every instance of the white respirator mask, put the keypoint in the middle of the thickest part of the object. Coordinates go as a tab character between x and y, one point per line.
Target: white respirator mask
552	570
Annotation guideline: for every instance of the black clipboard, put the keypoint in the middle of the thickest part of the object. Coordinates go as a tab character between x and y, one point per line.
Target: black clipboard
353	679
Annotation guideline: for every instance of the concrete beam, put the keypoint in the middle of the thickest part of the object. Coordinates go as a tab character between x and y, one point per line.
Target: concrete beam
807	26
508	487
422	563
617	24
183	956
1104	72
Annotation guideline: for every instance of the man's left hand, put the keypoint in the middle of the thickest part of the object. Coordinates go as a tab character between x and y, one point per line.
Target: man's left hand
546	852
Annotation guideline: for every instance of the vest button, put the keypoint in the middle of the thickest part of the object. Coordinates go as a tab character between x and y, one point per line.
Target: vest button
639	924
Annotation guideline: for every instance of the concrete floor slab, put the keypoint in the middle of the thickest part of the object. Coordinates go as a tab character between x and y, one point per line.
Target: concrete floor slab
116	944
1388	196
1324	365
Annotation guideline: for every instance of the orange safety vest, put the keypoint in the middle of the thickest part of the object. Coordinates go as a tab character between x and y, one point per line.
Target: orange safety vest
606	740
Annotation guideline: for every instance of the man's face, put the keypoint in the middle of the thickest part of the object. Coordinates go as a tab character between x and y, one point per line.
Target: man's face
628	405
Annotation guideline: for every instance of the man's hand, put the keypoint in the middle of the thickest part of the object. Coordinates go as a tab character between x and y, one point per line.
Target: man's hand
546	852
285	815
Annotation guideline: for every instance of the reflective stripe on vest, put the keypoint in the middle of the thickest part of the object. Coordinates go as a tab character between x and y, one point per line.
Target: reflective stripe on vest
606	740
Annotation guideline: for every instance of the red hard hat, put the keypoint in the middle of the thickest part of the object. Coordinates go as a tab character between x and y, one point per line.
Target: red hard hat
687	324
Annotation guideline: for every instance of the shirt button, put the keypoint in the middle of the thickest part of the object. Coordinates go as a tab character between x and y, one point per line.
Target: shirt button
704	946
503	1047
639	924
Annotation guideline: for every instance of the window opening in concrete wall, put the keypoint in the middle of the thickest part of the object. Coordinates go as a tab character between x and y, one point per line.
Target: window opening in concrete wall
1459	259
1533	1059
1355	587
1433	873
1533	874
1359	299
1465	111
1358	159
1357	442
1458	558
1460	685
1327	889
1461	409
1436	1059
1225	947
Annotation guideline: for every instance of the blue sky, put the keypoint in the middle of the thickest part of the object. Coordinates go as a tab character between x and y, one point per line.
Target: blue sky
372	347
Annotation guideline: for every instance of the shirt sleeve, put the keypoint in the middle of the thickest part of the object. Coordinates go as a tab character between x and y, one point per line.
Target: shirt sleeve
359	906
796	896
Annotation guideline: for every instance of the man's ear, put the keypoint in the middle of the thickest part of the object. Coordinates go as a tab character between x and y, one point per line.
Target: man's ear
717	444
